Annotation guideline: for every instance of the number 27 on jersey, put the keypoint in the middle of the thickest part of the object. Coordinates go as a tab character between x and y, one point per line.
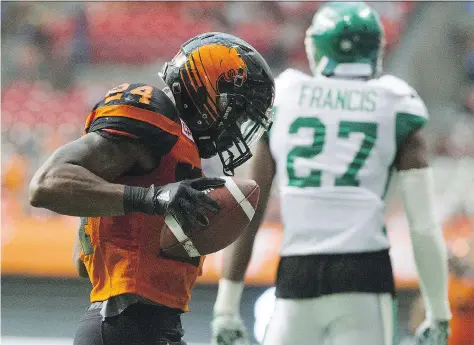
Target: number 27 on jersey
345	128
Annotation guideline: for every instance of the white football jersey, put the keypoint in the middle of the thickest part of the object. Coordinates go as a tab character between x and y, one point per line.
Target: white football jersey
334	142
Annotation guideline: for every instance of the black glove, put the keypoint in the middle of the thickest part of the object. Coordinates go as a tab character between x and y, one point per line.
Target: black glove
185	200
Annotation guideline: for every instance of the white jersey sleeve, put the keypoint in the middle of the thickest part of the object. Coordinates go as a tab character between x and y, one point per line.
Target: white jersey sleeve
410	110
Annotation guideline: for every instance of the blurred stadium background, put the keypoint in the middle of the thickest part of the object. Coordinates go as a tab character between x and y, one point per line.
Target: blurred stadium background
59	58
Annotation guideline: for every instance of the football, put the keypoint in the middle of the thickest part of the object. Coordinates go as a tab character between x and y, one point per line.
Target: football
237	199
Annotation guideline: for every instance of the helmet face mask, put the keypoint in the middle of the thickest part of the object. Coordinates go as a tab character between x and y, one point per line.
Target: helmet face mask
347	40
240	132
224	91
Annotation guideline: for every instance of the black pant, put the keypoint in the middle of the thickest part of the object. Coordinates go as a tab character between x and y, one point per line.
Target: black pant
311	276
139	324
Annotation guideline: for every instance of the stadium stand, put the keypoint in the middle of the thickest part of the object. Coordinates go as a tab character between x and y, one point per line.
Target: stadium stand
41	96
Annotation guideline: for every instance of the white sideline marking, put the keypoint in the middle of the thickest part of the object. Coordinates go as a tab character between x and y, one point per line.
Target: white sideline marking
35	341
46	341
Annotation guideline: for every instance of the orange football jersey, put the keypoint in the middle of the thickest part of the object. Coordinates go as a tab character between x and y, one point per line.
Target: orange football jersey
122	254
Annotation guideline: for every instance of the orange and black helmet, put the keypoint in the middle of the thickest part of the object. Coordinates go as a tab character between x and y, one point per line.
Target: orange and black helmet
224	90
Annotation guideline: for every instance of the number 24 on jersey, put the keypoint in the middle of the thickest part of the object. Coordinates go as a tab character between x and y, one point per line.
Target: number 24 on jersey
145	91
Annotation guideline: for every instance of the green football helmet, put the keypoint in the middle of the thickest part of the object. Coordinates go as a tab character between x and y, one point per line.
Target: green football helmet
345	39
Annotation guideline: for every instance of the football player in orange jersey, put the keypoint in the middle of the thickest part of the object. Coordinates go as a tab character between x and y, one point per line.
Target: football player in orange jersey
139	158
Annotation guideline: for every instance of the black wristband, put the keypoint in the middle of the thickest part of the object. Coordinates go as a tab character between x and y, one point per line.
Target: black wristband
135	200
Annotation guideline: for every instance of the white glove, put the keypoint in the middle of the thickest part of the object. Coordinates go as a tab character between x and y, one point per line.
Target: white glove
228	329
432	333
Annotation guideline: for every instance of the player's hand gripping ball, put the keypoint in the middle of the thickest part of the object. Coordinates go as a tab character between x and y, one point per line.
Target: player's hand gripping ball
237	200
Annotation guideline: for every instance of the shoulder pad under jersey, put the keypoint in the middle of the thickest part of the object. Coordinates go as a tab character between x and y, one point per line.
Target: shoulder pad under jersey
395	85
410	111
290	76
139	111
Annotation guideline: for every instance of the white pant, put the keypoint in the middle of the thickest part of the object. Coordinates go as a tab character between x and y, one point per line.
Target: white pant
339	319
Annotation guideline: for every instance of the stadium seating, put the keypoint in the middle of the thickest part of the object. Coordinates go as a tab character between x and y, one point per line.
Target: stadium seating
42	117
30	103
142	34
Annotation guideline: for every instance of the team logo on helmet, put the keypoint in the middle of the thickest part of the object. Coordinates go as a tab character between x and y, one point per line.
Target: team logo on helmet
211	70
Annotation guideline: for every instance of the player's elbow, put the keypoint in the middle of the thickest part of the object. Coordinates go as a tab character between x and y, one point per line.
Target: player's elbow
40	189
35	193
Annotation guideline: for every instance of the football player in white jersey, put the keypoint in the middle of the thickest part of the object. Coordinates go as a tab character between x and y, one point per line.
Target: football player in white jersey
336	138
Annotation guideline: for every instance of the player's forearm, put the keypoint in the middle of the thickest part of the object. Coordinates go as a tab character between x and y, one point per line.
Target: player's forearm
431	262
236	260
237	256
429	247
75	191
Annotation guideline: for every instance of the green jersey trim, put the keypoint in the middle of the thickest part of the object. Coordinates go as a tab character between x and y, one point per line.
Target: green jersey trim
406	124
